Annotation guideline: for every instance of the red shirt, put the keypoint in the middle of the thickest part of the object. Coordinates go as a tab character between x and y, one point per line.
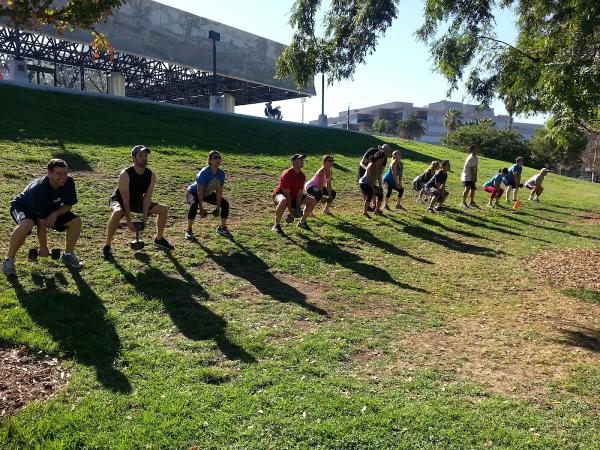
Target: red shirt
292	180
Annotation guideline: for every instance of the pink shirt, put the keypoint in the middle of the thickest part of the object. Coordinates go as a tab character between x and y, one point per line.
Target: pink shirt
314	181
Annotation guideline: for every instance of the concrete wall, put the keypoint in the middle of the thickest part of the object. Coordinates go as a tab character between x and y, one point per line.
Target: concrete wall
156	31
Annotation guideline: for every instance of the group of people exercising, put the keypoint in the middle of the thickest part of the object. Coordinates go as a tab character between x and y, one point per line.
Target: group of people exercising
47	202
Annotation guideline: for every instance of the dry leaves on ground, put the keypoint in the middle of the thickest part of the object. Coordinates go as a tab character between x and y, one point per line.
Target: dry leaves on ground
572	268
25	378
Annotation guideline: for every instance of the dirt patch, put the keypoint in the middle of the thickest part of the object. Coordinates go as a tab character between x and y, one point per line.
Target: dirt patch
25	378
570	268
513	350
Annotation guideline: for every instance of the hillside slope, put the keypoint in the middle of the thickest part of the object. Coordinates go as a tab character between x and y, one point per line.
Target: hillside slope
411	330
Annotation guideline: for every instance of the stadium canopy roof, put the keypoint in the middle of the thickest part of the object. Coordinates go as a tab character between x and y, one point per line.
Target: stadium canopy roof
165	55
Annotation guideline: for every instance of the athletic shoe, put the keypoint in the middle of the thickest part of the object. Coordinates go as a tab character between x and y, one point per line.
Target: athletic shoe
387	208
438	208
107	252
303	225
327	213
400	207
163	243
464	206
277	228
378	213
289	218
8	267
223	231
189	235
473	205
71	260
491	205
371	208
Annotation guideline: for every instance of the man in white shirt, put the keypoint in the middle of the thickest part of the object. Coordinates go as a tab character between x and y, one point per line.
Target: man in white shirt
534	184
469	177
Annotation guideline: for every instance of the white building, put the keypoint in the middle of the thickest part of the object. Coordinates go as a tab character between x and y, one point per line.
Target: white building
432	115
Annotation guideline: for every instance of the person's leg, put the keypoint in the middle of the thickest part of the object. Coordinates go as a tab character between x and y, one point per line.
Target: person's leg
329	201
399	198
309	204
433	200
18	237
388	193
224	212
464	196
72	234
42	237
539	191
472	193
515	193
192	213
163	213
113	224
492	191
282	204
367	193
508	190
378	202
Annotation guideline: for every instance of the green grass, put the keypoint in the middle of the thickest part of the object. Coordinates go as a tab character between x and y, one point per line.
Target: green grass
309	341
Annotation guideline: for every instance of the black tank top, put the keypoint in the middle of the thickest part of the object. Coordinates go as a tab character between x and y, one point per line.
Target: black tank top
138	185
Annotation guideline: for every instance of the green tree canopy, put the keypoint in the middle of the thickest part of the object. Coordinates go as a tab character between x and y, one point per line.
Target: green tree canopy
553	67
503	144
381	126
82	14
558	148
411	128
452	119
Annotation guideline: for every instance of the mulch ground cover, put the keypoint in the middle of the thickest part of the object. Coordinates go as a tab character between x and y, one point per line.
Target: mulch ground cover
25	377
571	268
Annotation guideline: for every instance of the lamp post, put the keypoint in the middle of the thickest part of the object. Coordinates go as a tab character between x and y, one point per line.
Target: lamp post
322	117
215	102
303	101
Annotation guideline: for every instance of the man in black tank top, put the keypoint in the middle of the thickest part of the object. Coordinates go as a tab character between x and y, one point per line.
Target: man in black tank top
134	194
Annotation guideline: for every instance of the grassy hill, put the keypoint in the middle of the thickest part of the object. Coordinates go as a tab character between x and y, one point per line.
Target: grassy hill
406	331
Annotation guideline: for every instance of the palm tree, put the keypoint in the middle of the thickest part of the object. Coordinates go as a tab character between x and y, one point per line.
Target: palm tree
452	119
411	128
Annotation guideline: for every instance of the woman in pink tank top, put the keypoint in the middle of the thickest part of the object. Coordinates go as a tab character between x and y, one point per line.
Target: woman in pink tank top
319	186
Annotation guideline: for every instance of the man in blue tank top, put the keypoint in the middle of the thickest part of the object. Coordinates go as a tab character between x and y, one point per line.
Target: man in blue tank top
134	194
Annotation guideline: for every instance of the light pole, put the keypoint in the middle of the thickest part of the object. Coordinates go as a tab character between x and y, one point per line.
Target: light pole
322	116
214	101
302	101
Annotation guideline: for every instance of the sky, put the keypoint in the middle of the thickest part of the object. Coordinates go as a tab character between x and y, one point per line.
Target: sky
399	70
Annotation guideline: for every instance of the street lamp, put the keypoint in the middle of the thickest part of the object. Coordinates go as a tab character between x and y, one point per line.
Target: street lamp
215	37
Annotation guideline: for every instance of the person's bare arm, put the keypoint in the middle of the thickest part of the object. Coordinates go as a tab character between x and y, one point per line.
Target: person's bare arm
394	169
200	191
125	198
148	199
51	219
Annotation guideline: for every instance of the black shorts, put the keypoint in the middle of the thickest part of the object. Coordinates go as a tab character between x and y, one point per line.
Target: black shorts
115	204
392	187
469	184
318	195
512	184
530	187
371	191
436	193
61	221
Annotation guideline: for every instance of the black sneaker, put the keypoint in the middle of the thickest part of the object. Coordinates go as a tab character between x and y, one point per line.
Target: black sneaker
224	231
107	252
277	228
163	243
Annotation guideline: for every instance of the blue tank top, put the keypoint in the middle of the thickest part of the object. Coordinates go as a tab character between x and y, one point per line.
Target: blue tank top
388	177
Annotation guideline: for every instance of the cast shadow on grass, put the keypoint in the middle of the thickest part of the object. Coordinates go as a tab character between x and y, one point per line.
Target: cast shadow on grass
76	161
332	254
444	240
181	299
77	323
476	222
366	236
255	271
429	221
582	337
553	229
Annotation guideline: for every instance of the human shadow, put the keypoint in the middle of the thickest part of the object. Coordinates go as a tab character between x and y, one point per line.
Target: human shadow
429	221
474	222
332	254
537	224
76	161
247	265
77	323
338	166
582	337
368	237
445	241
181	299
